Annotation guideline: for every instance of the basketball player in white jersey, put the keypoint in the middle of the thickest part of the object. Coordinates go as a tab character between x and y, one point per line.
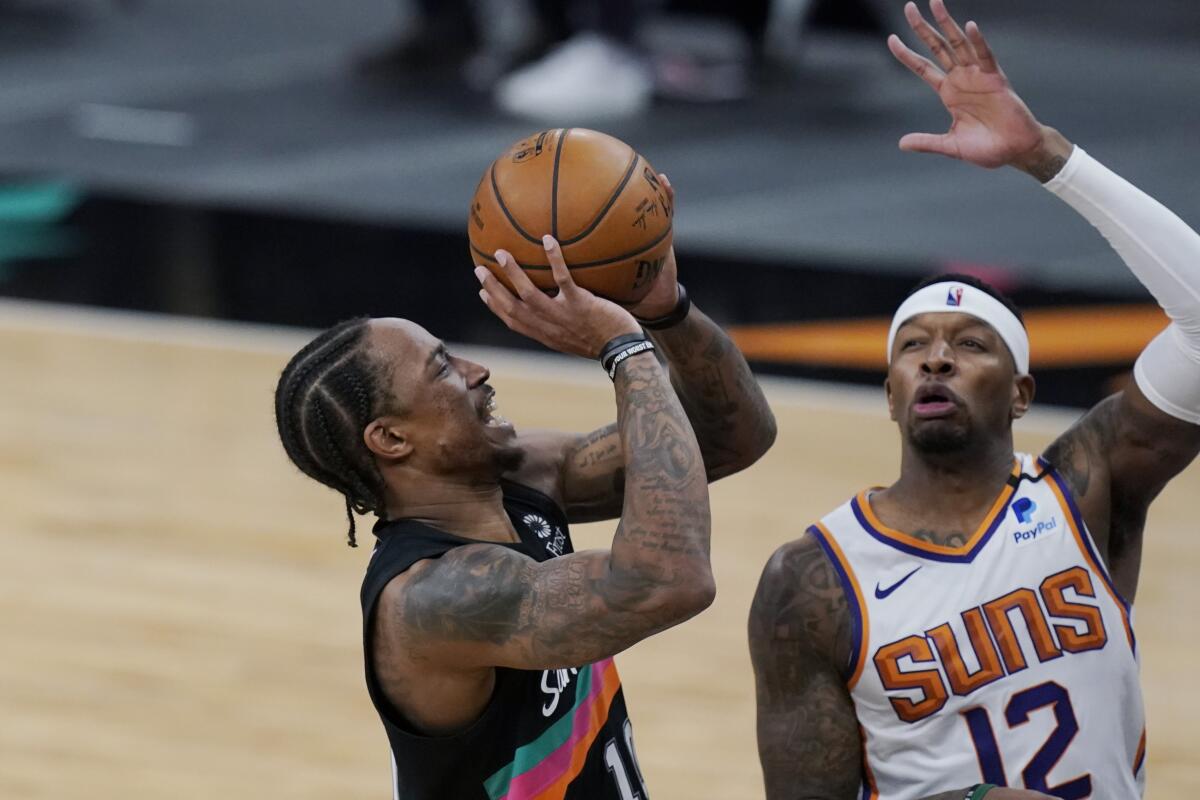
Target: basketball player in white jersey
968	627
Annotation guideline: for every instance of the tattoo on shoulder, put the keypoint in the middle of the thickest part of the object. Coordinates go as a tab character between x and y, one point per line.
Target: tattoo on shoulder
473	594
799	638
1075	453
801	599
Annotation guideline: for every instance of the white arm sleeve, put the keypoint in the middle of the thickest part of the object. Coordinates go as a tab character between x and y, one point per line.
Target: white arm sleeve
1164	254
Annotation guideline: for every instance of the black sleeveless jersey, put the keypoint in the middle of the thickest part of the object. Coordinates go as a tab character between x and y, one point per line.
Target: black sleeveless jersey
556	733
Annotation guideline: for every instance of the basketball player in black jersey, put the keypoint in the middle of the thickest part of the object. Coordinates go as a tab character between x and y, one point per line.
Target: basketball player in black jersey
488	641
828	702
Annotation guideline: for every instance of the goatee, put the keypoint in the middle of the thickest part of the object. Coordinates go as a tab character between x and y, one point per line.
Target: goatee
941	439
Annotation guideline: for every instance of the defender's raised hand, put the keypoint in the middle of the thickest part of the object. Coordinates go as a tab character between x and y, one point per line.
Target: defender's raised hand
990	125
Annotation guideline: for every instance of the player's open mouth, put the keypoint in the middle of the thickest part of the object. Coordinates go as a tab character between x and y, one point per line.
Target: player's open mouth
489	415
934	402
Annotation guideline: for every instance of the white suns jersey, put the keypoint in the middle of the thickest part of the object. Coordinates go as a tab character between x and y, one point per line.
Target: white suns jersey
1009	660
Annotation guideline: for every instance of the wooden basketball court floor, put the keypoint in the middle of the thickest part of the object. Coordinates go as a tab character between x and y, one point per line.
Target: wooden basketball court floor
180	618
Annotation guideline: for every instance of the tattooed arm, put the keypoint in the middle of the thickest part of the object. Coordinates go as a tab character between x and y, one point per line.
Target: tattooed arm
808	738
724	403
1118	457
808	735
1116	460
483	606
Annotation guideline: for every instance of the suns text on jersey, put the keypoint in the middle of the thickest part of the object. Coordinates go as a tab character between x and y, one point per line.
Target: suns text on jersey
1057	616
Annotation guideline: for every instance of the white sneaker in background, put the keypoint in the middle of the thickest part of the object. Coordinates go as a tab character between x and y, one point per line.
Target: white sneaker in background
587	77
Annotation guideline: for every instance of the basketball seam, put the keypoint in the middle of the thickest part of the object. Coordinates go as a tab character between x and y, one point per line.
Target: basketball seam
611	201
586	264
500	202
562	137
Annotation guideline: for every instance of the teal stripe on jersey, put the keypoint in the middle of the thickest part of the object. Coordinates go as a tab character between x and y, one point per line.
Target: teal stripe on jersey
529	755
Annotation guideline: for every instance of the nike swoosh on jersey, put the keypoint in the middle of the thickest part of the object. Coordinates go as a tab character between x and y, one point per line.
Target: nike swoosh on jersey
882	593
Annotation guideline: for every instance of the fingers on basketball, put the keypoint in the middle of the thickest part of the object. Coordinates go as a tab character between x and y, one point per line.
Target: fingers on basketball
558	265
517	277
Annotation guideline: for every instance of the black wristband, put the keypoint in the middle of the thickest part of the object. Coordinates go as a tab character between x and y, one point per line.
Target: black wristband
617	343
621	348
683	304
632	350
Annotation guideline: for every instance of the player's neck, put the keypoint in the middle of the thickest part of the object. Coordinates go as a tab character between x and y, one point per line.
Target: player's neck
473	511
956	481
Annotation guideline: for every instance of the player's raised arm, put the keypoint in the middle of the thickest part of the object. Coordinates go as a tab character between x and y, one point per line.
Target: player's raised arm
723	401
1122	453
481	606
724	404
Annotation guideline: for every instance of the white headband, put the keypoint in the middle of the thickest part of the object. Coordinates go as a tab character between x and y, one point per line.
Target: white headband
958	297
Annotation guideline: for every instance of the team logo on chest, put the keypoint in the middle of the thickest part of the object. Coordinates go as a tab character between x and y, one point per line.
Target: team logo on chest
554	683
552	537
1003	636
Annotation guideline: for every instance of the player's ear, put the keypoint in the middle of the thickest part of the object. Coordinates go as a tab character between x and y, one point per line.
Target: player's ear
387	438
887	390
1022	397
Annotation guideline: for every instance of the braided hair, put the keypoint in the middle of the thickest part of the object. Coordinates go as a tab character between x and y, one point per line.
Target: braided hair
326	395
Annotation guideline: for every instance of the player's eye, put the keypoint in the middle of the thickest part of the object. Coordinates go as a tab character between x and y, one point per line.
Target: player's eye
909	344
973	344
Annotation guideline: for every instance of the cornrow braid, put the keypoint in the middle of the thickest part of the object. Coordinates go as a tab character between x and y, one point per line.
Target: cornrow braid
326	395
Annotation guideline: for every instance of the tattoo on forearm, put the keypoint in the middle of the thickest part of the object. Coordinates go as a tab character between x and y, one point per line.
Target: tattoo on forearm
1047	168
584	606
666	493
580	607
724	402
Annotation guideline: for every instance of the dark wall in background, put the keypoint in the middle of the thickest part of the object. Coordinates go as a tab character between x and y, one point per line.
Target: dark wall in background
304	271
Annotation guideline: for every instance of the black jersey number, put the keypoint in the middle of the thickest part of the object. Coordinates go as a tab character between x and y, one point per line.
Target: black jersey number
630	787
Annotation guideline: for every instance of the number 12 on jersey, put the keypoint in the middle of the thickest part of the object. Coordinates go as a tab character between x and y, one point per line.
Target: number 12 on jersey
1057	700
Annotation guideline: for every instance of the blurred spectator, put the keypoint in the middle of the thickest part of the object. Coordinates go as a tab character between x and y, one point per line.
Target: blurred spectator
442	34
581	60
597	73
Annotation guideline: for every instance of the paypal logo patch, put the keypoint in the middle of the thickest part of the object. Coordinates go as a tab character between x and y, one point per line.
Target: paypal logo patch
1023	509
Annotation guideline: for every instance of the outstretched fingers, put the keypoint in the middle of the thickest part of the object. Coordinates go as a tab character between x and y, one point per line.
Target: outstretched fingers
921	66
987	61
932	39
964	53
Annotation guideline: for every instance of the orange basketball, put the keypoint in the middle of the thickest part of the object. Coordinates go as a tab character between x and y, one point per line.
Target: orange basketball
595	194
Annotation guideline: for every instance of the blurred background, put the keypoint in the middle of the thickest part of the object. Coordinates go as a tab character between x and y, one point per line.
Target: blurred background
188	188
